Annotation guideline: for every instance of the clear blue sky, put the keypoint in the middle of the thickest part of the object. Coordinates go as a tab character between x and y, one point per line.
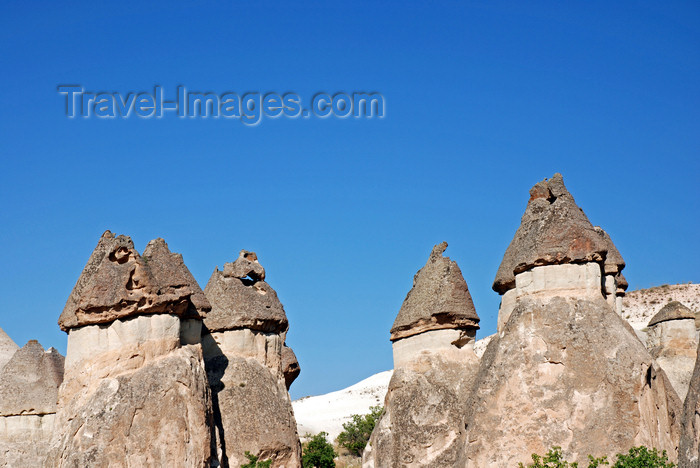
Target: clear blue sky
483	99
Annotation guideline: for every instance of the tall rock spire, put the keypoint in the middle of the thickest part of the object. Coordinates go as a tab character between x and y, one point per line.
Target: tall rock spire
434	365
127	357
249	366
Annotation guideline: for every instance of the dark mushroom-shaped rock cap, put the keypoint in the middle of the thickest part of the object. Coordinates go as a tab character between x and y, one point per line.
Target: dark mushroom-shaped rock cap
553	230
674	310
172	276
239	300
439	299
117	283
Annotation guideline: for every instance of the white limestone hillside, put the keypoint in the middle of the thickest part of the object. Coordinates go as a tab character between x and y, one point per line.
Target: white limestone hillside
328	412
639	306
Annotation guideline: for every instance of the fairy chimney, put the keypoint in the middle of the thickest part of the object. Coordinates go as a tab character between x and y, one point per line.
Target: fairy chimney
672	341
248	368
28	403
549	369
434	364
125	354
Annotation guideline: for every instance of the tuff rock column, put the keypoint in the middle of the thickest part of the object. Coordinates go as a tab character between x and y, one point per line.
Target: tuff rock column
672	341
29	384
434	362
133	394
565	369
243	344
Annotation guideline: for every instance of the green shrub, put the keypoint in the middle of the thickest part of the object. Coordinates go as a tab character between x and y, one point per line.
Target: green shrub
554	459
254	463
356	433
642	457
637	457
318	452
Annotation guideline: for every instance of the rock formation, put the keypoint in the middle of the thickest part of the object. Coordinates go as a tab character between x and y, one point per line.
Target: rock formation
133	394
672	341
565	369
434	362
28	400
7	348
243	345
689	447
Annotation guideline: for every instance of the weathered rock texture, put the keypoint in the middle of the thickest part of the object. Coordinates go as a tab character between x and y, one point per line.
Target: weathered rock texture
118	283
555	232
434	363
565	369
689	450
243	345
672	341
7	348
133	395
439	299
567	372
290	366
28	401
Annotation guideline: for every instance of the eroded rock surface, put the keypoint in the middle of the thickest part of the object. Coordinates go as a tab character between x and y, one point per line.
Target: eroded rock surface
553	230
248	368
28	402
434	365
118	283
567	372
439	299
133	395
672	341
7	348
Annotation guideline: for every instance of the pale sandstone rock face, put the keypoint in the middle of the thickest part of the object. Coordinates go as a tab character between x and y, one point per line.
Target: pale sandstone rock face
7	348
28	402
133	395
566	372
553	230
24	440
424	408
689	450
434	364
154	413
439	299
451	344
672	341
243	345
565	280
29	381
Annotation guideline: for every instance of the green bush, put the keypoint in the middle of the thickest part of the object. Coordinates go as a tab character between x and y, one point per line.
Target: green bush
318	452
637	457
356	432
642	457
554	459
254	463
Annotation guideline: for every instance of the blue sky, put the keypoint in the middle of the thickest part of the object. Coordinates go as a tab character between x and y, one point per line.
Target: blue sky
483	99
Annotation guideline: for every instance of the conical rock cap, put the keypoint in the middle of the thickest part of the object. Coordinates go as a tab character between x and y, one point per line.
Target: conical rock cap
439	299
